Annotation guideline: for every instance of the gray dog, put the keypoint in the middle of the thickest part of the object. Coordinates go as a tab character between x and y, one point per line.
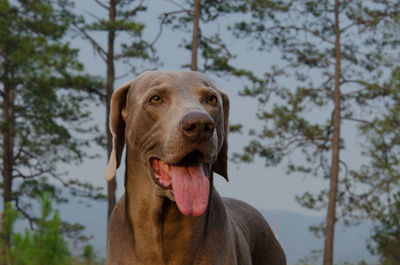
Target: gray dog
175	126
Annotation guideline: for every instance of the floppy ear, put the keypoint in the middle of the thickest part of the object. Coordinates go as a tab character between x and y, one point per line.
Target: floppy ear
220	166
117	128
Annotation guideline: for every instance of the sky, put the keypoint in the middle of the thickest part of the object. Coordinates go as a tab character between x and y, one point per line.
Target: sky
267	188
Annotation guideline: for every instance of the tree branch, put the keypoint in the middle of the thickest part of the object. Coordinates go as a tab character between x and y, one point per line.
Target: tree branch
222	46
93	16
31	176
123	75
24	213
134	11
18	154
316	34
101	4
346	168
295	140
189	11
79	188
364	83
164	17
95	44
376	19
176	4
380	135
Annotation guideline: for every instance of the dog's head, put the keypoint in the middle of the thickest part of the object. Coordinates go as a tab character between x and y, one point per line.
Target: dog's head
176	124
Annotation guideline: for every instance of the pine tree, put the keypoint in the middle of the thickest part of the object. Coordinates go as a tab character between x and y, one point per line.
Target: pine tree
333	53
208	52
45	98
379	200
45	245
121	22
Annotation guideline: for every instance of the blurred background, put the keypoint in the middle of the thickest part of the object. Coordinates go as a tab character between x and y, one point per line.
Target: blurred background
314	139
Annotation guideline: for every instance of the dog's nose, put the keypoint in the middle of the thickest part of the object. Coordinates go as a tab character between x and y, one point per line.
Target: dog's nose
197	126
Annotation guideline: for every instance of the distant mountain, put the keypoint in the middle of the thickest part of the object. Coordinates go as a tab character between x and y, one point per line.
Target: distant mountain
294	235
297	241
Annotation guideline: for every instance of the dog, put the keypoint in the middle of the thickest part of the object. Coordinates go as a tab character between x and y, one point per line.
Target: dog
175	126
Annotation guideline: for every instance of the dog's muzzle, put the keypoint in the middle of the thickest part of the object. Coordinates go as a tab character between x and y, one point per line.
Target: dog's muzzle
188	181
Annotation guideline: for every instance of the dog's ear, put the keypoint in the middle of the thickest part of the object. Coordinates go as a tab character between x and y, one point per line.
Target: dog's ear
220	166
117	128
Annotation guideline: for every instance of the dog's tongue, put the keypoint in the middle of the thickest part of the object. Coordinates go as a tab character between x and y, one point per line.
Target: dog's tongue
191	188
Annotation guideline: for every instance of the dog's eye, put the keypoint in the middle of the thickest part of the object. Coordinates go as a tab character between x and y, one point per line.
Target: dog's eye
155	99
212	99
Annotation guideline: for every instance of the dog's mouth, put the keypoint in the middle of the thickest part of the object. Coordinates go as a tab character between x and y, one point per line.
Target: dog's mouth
188	180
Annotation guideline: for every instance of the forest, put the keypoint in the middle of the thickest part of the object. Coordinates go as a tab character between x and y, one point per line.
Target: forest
321	71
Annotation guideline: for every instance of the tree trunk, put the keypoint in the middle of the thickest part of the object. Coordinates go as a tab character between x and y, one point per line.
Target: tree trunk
112	184
8	146
195	39
334	174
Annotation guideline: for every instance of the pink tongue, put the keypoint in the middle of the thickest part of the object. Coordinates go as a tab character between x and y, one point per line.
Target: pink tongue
191	189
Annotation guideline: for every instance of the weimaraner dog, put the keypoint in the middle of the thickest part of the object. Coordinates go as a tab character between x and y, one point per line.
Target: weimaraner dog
175	127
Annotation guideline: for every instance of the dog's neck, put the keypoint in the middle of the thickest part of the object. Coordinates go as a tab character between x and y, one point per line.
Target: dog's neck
159	228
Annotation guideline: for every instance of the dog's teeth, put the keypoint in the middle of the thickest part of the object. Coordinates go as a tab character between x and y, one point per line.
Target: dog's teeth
167	168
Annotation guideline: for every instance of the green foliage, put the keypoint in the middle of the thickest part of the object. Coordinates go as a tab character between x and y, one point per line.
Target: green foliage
386	236
314	257
88	254
47	96
45	245
382	170
88	257
297	115
46	99
296	106
380	175
214	54
42	246
125	25
8	220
